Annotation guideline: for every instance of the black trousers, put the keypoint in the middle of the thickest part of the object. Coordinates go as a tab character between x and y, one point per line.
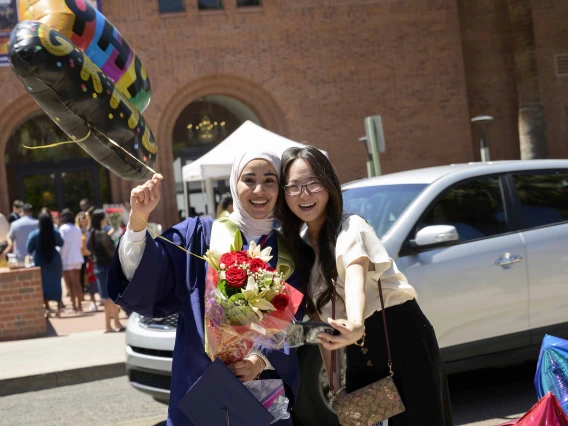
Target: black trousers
418	368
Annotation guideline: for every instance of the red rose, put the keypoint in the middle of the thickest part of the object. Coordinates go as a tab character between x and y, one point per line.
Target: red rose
280	301
233	257
228	259
236	277
256	264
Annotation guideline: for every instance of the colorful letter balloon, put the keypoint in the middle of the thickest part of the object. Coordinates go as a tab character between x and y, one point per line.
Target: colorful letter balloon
82	100
92	33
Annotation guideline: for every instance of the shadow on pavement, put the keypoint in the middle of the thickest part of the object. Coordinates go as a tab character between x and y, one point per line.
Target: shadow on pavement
495	393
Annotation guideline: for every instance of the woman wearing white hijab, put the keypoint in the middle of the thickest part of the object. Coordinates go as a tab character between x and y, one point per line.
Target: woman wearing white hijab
157	279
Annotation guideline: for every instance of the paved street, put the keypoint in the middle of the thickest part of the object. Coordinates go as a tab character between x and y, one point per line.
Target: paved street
481	398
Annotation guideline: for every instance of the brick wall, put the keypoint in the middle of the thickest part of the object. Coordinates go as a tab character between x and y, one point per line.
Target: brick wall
426	66
551	37
21	304
490	74
326	64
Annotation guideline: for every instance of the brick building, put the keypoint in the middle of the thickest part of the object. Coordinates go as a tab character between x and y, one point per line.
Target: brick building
312	70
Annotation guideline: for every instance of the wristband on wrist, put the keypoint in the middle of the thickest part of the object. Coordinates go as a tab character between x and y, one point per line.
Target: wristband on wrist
262	365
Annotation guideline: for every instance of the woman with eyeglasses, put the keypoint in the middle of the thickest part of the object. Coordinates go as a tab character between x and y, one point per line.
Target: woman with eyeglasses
341	261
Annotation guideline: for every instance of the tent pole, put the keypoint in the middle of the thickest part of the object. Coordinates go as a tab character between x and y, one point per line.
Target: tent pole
210	197
185	199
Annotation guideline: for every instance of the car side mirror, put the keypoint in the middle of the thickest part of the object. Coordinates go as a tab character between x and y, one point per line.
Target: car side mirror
435	236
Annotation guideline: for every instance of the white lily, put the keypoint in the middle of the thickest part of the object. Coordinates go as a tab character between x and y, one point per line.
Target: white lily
213	258
262	304
258	312
255	252
251	290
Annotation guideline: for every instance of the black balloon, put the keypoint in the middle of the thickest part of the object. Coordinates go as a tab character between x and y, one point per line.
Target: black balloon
80	99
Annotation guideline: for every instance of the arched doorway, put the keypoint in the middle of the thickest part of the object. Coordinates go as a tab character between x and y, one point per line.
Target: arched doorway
203	124
55	178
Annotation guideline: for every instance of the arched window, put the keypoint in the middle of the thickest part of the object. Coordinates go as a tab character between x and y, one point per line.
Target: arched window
57	177
202	125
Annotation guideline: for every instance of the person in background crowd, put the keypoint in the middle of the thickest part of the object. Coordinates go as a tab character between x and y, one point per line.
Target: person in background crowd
20	230
72	258
41	243
85	205
225	206
17	212
56	217
102	249
82	222
4	229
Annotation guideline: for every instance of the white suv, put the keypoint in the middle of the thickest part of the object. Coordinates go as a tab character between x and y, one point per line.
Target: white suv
484	244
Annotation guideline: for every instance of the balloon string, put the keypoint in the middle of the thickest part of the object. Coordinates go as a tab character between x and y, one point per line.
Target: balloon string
53	145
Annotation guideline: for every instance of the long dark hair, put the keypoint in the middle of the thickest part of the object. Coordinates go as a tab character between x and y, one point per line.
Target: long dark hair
97	216
291	224
46	237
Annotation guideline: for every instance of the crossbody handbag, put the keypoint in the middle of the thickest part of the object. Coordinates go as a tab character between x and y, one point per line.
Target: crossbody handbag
373	403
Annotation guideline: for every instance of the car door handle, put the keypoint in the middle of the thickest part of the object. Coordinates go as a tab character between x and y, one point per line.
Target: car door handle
506	259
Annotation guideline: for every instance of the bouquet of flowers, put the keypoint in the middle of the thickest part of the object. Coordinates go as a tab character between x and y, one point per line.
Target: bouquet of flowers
114	215
247	302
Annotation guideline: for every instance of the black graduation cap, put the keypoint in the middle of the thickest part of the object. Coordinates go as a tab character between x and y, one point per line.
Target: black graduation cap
218	398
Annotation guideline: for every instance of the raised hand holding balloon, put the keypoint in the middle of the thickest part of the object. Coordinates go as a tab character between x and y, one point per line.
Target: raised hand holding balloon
81	99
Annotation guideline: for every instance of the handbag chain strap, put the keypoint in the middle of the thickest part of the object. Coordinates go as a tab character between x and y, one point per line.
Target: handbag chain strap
333	368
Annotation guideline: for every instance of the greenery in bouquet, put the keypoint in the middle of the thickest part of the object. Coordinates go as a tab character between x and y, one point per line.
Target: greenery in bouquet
114	215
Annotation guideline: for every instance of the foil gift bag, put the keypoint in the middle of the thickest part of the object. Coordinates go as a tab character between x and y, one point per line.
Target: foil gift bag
552	370
546	412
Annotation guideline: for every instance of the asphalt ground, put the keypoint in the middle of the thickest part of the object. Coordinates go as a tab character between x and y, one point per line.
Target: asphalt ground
479	398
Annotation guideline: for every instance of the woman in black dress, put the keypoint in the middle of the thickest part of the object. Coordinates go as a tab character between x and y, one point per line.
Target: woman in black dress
342	259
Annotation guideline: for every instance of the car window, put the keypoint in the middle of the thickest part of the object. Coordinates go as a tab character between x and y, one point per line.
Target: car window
543	196
474	207
380	205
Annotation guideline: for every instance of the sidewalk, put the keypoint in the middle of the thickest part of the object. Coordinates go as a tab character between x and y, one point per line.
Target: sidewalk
76	351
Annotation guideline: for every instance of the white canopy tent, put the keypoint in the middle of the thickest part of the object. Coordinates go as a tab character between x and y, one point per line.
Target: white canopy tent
217	163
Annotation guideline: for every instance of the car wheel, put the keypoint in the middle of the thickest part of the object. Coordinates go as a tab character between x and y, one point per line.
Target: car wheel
313	406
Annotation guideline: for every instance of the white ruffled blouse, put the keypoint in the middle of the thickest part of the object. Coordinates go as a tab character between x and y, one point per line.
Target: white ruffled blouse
358	239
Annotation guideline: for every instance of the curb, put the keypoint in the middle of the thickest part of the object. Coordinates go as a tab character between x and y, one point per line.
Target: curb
61	378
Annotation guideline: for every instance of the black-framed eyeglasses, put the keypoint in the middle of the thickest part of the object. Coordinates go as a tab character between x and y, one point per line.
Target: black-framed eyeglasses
296	189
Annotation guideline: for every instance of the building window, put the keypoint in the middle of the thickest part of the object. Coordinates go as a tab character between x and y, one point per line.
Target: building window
248	3
170	6
210	4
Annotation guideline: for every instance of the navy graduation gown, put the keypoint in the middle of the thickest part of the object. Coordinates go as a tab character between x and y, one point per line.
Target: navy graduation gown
170	281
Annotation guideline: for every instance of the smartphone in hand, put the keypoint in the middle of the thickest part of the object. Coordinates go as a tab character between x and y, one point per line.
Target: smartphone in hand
313	328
